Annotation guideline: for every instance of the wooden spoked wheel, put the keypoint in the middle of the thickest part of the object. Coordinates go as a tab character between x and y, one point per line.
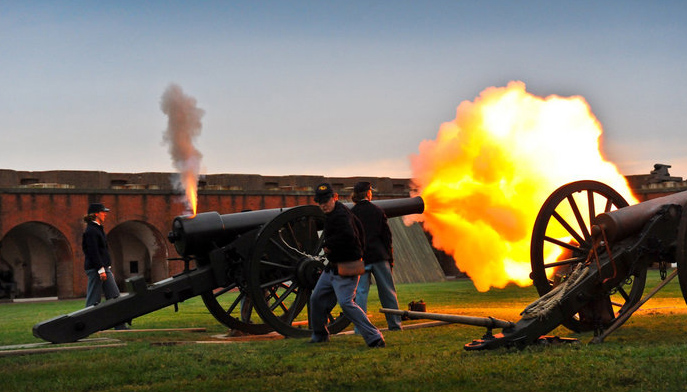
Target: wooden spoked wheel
231	304
561	239
284	268
233	307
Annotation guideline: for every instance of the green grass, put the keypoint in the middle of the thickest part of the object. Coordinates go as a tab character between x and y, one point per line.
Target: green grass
646	354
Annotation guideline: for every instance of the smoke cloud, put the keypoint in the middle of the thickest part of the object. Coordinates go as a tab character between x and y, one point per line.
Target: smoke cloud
183	126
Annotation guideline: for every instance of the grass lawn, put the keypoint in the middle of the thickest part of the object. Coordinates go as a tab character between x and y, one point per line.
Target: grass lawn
646	354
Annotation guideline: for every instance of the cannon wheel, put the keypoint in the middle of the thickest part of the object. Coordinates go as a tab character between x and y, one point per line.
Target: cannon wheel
231	305
573	207
281	276
681	253
238	311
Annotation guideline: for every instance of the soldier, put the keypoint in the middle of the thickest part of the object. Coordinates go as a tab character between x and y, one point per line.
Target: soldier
378	256
344	241
97	258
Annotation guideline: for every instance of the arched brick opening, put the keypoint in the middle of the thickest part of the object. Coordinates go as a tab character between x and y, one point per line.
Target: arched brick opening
138	248
40	259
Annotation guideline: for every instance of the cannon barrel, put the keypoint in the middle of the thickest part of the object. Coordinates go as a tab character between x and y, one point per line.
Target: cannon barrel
195	236
627	221
399	207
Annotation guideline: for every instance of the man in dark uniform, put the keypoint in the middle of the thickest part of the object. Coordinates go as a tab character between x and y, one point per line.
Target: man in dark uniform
97	258
378	256
343	241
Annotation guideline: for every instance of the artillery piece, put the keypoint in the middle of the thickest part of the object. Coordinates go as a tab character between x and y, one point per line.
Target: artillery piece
596	282
263	262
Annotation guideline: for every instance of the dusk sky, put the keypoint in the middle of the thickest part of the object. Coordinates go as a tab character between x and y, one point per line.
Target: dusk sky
334	88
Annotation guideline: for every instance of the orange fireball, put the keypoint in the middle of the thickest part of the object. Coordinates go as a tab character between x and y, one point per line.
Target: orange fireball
489	170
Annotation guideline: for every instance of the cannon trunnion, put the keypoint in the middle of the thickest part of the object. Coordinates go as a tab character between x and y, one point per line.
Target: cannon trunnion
254	271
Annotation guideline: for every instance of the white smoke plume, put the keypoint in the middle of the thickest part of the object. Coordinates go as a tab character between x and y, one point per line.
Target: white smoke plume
183	126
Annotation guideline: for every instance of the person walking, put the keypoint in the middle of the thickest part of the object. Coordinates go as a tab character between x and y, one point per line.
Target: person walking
344	242
97	262
378	255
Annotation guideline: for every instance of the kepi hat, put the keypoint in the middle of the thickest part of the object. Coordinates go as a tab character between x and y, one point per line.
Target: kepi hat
94	208
362	186
323	193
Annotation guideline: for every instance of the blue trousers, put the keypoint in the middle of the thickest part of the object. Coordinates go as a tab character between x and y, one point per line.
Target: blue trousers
385	288
96	287
329	290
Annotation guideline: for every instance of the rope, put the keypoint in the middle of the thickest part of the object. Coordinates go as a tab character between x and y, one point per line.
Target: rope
595	254
322	259
540	308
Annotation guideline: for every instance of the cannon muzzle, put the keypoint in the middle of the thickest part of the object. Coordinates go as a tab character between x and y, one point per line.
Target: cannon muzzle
399	207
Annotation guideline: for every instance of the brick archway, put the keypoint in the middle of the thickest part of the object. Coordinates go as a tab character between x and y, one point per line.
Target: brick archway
138	248
39	257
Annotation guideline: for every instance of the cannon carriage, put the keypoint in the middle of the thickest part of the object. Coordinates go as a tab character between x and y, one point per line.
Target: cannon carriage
254	271
589	256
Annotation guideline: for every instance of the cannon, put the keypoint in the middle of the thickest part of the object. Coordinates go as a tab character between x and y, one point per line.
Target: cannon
589	254
254	271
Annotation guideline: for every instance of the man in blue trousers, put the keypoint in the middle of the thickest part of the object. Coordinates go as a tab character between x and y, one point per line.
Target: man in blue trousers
378	256
97	258
344	241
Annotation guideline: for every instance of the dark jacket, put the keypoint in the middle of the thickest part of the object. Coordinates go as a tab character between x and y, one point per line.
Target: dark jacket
94	245
377	232
343	235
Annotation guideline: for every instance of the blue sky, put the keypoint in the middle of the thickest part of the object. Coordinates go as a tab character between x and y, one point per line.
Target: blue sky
337	88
